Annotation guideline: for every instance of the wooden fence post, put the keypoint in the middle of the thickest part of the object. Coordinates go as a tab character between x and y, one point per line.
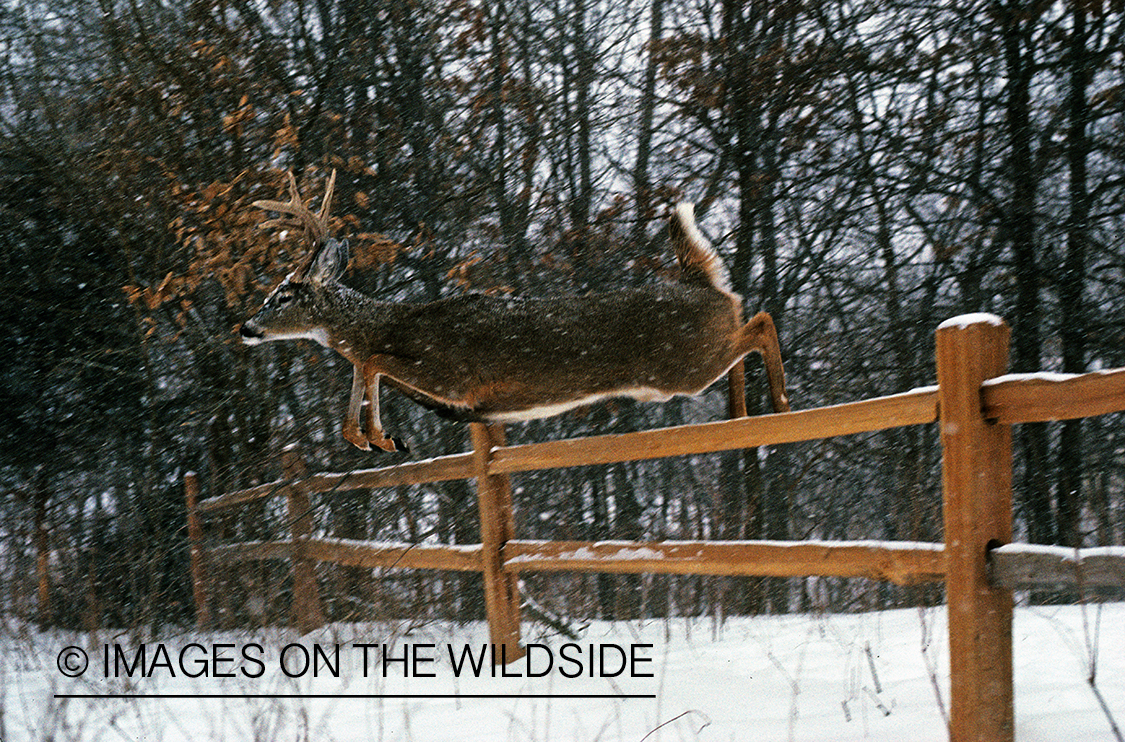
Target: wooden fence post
736	390
43	560
307	612
195	545
497	527
977	491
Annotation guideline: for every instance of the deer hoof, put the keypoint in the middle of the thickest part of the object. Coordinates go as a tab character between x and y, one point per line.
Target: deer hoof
357	440
391	444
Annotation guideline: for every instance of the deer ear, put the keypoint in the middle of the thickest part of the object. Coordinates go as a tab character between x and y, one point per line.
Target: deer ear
330	261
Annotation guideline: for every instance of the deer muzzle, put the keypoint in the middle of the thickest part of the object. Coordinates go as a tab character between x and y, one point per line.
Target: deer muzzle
250	334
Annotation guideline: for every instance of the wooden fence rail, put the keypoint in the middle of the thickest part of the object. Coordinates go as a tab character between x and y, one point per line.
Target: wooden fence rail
1022	566
974	404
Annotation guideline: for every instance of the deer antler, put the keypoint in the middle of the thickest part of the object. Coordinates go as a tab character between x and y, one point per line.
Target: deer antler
316	225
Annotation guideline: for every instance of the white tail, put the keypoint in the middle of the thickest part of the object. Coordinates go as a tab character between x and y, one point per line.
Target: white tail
504	359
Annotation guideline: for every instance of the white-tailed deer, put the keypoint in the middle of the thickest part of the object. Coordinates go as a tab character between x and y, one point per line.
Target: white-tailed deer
502	359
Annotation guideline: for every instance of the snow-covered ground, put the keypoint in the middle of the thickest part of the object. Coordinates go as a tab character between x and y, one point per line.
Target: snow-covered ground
877	676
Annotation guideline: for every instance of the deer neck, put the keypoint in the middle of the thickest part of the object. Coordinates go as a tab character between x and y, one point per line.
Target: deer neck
352	321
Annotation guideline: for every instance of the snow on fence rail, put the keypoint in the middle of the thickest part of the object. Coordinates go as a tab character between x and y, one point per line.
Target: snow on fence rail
1022	566
973	402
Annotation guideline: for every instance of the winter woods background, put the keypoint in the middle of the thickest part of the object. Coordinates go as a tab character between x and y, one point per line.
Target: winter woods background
867	169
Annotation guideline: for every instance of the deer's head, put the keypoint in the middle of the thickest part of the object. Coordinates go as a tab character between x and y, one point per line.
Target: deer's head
295	308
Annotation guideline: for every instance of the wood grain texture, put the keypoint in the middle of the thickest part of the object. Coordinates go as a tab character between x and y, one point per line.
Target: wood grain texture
308	613
1021	566
910	408
197	553
497	526
439	469
977	506
902	563
1025	398
374	555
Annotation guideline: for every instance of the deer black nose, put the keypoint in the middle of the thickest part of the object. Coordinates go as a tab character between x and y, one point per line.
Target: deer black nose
249	333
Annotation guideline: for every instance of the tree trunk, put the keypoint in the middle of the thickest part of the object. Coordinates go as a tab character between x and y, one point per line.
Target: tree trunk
1068	488
1019	227
642	187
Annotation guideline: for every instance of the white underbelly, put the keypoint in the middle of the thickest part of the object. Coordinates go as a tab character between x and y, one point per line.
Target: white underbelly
643	394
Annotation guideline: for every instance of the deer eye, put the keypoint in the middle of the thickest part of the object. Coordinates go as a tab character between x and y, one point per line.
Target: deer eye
284	298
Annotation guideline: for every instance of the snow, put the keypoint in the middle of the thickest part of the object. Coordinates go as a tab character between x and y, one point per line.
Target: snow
1054	376
608	551
964	320
617	554
1038	376
367	545
803	677
1063	553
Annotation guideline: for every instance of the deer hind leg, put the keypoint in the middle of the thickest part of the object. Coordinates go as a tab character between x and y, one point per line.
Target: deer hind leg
372	424
759	334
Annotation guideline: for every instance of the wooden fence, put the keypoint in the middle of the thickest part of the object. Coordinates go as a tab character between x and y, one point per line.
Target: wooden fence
973	402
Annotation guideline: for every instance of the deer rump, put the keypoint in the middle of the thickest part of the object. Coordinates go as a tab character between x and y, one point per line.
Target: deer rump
509	359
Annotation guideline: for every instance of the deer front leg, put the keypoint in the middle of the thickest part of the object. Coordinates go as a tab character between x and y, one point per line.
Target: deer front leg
372	423
352	433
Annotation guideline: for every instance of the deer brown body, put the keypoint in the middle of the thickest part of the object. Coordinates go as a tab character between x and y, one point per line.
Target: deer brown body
505	359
